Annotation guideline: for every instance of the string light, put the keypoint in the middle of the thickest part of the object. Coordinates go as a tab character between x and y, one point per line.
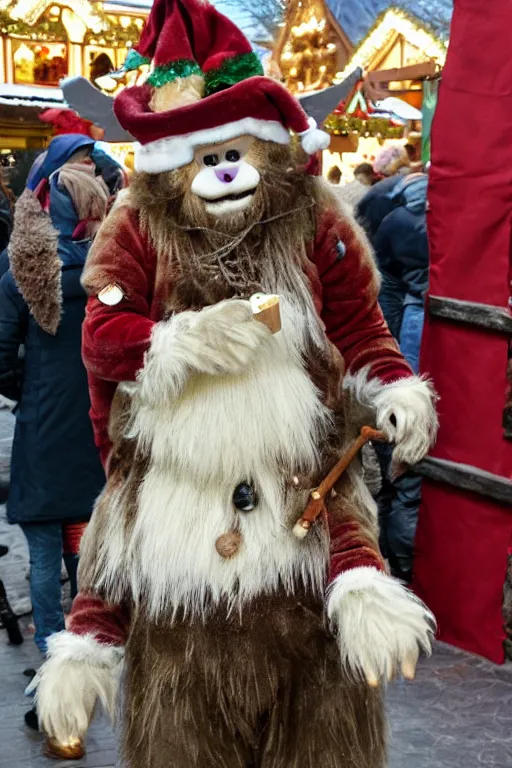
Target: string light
31	10
395	22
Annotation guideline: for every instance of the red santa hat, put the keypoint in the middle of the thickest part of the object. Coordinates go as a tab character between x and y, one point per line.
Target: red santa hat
184	38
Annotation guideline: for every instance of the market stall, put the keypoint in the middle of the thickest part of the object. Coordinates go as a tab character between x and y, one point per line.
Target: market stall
465	526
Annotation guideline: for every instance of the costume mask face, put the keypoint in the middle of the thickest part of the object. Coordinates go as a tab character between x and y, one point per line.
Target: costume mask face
226	180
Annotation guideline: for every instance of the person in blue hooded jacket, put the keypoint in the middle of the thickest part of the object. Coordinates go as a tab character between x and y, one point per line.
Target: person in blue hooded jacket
55	468
401	250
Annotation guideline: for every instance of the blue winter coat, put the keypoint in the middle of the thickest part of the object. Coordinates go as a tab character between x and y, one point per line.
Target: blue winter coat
56	473
376	204
401	241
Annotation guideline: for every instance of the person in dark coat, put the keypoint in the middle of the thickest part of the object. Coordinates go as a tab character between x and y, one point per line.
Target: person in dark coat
392	163
401	250
56	472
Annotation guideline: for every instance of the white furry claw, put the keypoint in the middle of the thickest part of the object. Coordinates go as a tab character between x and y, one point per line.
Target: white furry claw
220	339
381	626
407	416
404	410
78	671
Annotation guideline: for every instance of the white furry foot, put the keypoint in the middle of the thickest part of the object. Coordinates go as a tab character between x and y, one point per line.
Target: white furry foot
381	626
221	339
78	671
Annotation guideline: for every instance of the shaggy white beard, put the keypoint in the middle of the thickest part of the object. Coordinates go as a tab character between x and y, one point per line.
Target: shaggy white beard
205	434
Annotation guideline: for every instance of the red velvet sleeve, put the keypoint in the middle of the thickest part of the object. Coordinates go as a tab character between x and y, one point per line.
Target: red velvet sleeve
348	287
90	615
351	549
114	339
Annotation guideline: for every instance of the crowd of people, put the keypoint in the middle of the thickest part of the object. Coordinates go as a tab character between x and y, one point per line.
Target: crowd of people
56	473
389	199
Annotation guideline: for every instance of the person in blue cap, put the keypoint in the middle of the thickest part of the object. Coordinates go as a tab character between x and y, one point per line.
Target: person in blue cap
56	473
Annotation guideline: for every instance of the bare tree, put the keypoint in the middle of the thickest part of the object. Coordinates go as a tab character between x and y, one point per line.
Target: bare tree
258	18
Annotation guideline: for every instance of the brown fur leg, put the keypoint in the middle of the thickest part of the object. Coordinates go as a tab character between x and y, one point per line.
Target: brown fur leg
325	718
177	714
261	689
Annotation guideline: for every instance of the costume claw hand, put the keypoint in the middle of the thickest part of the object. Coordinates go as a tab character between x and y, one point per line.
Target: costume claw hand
406	414
225	337
381	626
221	339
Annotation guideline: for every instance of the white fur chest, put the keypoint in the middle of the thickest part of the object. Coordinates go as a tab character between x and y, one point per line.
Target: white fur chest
261	426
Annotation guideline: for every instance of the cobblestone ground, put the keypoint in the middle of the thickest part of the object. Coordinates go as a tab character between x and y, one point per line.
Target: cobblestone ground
457	714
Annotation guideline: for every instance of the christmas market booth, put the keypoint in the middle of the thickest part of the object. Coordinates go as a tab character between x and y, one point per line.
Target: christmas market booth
398	47
43	42
383	108
323	41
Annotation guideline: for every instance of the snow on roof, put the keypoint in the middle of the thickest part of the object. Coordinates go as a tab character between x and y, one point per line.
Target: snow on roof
31	96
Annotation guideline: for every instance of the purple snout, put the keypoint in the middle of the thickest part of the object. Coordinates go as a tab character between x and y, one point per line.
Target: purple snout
226	175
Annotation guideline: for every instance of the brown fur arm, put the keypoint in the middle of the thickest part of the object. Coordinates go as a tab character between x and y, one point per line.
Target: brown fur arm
353	528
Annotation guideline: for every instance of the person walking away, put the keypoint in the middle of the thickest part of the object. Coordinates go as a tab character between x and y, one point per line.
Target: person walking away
391	164
401	249
56	472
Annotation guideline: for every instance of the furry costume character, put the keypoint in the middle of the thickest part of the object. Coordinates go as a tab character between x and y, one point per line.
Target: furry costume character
238	644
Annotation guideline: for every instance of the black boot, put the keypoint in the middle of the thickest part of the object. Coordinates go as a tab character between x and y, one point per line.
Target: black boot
31	719
8	620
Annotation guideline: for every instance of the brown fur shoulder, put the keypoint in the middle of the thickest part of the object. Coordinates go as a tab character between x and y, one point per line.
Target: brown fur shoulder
35	263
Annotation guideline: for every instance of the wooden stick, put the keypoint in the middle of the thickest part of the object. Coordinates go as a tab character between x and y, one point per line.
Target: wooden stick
316	503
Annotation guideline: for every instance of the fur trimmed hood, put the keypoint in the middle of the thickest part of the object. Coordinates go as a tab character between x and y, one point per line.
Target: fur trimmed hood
35	263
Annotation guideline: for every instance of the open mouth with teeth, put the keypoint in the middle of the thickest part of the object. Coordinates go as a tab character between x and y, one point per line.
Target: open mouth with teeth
229	198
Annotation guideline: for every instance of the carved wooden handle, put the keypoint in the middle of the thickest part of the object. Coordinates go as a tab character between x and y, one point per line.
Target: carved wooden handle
316	503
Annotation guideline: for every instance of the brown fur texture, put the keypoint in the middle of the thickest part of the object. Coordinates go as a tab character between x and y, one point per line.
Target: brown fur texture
35	263
126	469
206	261
264	689
231	256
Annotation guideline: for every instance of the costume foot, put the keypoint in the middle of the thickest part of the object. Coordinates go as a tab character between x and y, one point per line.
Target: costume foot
72	750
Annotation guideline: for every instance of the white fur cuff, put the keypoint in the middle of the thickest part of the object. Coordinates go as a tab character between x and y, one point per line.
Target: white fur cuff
381	626
84	648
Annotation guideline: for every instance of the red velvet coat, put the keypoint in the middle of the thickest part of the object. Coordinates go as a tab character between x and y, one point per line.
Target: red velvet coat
344	283
115	339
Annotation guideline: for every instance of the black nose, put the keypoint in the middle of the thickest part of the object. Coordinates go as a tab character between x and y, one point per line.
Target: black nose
245	497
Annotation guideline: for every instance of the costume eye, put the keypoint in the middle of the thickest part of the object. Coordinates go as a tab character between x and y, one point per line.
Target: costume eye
233	156
211	160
